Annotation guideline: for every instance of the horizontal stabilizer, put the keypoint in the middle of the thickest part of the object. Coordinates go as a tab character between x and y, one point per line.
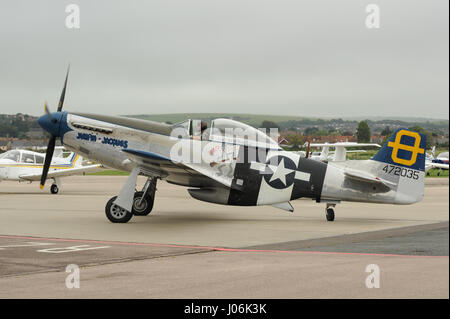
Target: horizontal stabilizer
368	178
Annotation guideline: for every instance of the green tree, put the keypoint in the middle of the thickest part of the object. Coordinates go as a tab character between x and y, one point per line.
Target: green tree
386	131
269	124
363	132
310	131
296	141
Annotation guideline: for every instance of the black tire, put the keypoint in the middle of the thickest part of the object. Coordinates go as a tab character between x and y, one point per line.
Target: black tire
54	189
146	204
330	214
115	213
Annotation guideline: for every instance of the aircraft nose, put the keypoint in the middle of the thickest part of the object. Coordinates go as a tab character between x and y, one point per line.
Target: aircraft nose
50	123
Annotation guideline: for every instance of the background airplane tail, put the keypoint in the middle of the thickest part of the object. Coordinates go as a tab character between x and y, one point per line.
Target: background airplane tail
78	160
433	151
402	162
324	154
75	159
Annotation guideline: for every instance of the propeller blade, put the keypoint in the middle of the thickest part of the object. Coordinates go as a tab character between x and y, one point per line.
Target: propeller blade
48	112
63	93
46	108
48	160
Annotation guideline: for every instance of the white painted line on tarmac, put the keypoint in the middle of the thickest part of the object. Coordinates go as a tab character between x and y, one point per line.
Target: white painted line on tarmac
71	249
28	244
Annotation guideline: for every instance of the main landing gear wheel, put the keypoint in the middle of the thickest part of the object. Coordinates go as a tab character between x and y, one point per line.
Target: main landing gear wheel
54	189
143	206
330	214
115	213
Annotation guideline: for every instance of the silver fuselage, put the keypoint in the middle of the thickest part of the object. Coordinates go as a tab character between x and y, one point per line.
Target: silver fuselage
102	138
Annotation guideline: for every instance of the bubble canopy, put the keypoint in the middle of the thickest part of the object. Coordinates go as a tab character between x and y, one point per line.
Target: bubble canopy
226	131
230	131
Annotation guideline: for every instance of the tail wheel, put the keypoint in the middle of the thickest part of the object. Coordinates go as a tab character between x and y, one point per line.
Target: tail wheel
115	213
54	189
330	214
142	207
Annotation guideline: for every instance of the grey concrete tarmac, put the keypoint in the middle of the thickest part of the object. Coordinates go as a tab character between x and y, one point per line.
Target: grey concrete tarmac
190	249
243	275
78	212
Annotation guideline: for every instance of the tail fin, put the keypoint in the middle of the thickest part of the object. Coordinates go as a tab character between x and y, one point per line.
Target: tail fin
404	148
78	160
404	156
75	159
324	153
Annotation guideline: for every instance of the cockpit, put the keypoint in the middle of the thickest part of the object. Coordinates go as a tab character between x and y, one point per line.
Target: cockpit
193	129
23	157
225	131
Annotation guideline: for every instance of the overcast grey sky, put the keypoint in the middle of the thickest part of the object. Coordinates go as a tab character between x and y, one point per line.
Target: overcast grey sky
287	57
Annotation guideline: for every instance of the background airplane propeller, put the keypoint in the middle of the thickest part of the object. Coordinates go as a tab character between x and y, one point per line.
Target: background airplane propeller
52	140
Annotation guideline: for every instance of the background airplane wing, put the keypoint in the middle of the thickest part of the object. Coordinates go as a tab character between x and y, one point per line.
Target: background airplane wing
437	165
344	144
64	172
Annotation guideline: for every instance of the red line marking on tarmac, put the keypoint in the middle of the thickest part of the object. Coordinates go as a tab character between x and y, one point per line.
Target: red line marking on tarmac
92	241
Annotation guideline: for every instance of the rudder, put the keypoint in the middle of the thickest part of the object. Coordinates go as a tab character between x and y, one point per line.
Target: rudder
404	155
404	148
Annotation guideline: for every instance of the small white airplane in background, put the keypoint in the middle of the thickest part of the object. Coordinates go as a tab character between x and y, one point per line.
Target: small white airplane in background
340	153
440	162
23	165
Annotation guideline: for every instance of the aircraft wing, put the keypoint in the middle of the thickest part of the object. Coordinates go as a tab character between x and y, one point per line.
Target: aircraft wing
366	177
341	151
64	172
215	175
161	166
354	151
437	165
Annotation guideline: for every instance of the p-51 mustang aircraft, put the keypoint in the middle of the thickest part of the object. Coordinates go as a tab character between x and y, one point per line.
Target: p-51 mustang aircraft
23	165
232	163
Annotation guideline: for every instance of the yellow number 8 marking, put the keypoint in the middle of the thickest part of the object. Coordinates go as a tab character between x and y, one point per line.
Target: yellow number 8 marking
413	149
